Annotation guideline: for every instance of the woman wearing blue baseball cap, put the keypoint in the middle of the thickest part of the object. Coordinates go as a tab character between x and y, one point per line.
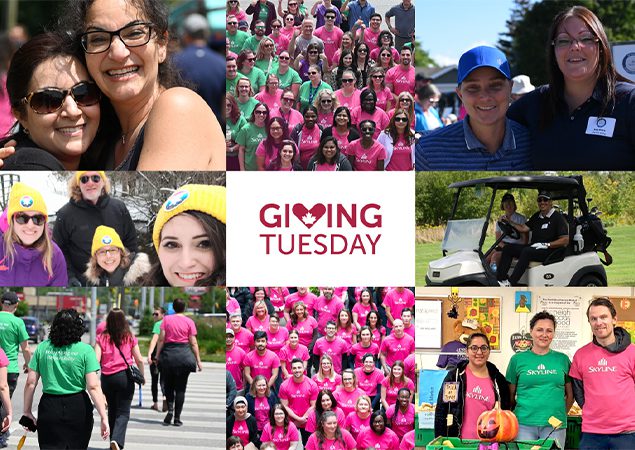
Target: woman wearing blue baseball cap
486	139
584	119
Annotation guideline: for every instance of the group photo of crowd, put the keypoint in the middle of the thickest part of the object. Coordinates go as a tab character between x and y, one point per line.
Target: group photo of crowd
326	86
320	368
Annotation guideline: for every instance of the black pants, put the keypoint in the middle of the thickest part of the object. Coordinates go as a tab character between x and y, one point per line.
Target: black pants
157	380
175	383
64	421
525	254
119	390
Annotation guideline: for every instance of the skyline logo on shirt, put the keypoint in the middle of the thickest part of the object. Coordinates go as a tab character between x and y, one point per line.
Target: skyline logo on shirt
477	394
542	370
603	366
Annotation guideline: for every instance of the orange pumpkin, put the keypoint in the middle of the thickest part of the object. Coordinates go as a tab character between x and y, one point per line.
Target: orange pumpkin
497	425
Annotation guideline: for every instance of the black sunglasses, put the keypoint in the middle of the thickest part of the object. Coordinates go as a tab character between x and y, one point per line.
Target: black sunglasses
49	100
22	218
401	119
85	178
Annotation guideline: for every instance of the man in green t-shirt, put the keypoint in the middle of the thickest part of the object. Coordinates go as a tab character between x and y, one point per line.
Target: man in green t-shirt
157	315
13	336
236	37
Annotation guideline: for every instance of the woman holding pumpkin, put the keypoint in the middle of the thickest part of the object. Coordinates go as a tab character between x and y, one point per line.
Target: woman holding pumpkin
474	375
539	394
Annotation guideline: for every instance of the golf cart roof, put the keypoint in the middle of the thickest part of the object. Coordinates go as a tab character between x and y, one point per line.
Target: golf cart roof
561	187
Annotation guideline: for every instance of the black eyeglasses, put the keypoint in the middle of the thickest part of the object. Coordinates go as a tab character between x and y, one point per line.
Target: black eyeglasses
135	35
86	178
312	73
48	100
326	100
377	77
401	119
476	348
261	113
347	80
22	218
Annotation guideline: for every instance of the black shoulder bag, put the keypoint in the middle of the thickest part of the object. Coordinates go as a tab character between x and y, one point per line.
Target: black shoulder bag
133	372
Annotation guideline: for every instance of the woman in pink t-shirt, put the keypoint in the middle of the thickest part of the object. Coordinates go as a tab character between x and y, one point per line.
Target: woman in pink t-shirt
260	401
291	350
399	142
402	413
307	135
348	95
326	378
325	101
277	296
393	382
272	94
231	304
364	346
378	436
280	430
287	159
329	435
366	154
342	130
346	394
348	43
286	111
4	392
267	150
359	420
363	307
177	352
306	326
259	321
404	101
378	330
376	83
369	379
234	9
117	348
346	330
277	336
325	402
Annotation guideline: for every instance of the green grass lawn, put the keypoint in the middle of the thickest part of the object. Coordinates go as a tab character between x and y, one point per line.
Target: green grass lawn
620	273
144	342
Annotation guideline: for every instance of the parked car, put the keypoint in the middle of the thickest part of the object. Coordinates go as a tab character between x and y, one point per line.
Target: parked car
34	328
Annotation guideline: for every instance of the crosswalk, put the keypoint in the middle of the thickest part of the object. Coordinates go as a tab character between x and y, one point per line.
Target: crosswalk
203	417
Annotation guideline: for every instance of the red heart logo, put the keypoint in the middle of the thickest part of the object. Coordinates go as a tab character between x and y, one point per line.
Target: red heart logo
308	216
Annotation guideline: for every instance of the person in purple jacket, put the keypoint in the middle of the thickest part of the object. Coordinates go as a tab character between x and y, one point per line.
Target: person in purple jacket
28	256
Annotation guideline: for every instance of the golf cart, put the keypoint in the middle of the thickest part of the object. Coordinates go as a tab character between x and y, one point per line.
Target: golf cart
577	264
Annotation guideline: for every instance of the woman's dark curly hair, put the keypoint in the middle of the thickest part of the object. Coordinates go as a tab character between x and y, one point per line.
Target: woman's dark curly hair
67	328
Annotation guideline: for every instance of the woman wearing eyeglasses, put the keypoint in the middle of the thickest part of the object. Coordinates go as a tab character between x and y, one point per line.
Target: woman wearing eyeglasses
250	137
376	83
272	94
348	95
287	77
476	375
325	103
28	256
291	116
363	63
112	264
584	119
385	41
310	57
266	59
345	62
56	104
399	142
246	63
404	101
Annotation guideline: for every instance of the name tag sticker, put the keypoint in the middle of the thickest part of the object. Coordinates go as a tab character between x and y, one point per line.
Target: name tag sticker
544	226
450	392
601	126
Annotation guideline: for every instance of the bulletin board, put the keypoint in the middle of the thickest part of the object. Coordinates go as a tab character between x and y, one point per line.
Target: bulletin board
625	307
486	310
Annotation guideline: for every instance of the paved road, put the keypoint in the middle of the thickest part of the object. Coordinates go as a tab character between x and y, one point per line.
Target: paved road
203	416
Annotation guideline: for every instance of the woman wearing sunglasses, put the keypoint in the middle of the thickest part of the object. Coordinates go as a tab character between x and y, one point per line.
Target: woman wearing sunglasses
56	104
111	264
399	141
326	103
28	256
293	11
311	56
266	58
287	77
233	9
377	84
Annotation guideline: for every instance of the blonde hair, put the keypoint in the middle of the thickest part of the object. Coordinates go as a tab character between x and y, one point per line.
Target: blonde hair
252	388
320	375
43	244
75	193
95	268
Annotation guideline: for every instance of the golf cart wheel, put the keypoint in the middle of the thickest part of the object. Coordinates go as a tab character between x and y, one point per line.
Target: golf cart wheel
590	281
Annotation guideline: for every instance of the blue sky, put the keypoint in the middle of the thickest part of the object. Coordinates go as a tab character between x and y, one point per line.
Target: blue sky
447	28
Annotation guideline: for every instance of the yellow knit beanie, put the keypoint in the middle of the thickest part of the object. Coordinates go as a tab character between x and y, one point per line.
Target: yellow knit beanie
25	198
105	236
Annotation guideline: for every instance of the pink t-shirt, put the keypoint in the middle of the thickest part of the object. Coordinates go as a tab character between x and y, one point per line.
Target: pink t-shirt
391	391
325	167
332	40
609	380
358	351
241	430
100	328
281	42
255	324
309	143
374	54
305	330
382	98
327	383
275	341
366	158
410	331
288	354
261	411
327	310
232	306
311	421
479	397
261	152
326	120
397	301
370	38
379	116
335	349
111	360
350	102
308	299
347	400
299	395
362	311
409	364
378	335
387	441
271	100
178	328
408	441
279	437
342	139
356	424
401	159
402	80
277	297
244	339
293	117
347	335
261	364
401	423
4	361
368	382
234	363
332	444
397	349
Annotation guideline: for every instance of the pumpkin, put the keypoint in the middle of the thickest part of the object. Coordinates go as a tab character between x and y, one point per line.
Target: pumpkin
497	425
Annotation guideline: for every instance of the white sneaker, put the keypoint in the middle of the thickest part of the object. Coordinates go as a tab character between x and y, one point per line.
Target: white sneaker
505	283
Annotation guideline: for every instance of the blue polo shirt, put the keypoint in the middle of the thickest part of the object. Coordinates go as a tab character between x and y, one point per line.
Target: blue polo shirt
357	11
585	139
455	147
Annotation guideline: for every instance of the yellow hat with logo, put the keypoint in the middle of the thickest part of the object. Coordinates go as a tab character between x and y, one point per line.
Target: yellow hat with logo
25	198
105	237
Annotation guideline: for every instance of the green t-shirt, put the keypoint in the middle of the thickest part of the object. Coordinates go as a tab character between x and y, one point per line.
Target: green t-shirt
252	43
539	381
63	369
248	107
12	333
230	85
289	78
308	94
156	329
257	78
249	137
263	64
237	41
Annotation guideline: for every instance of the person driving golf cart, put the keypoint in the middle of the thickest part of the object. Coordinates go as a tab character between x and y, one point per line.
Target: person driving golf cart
549	232
508	204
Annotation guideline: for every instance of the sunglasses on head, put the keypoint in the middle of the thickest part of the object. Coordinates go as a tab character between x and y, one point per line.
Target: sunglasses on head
22	218
86	178
49	100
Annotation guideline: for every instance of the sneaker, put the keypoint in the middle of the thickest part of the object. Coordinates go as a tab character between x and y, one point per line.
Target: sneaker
177	422
168	419
114	445
504	283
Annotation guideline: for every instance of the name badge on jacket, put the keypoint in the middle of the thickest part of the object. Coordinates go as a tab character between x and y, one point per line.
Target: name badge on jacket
601	126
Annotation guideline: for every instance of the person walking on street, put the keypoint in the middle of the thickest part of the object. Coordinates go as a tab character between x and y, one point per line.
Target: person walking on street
155	372
113	345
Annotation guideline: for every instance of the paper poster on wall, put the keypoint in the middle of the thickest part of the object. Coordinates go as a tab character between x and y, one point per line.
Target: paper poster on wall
430	382
568	312
625	307
428	323
523	302
487	312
